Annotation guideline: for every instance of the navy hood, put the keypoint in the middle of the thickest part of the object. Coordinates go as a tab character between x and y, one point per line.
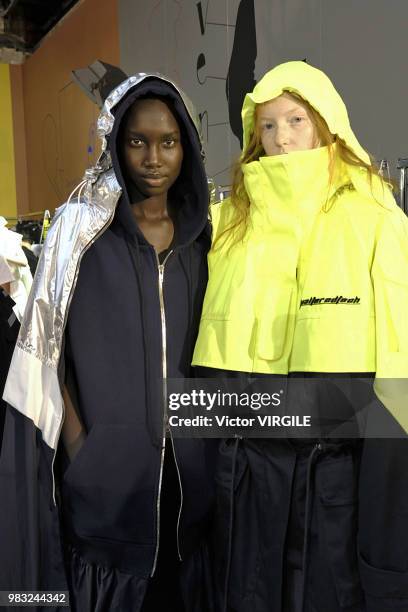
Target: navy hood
190	191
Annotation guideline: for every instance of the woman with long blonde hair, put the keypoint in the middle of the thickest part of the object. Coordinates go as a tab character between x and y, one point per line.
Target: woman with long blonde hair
308	278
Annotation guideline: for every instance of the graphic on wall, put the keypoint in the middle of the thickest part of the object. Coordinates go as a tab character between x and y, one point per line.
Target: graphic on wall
217	50
68	141
192	45
241	71
217	31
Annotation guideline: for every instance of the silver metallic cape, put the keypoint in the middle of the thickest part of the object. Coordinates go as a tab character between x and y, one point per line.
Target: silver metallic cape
33	385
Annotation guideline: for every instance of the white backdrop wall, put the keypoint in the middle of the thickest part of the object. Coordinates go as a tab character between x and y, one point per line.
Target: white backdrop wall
215	47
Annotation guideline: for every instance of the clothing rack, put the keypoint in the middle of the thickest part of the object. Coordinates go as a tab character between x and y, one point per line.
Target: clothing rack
27	216
45	225
218	193
402	166
223	192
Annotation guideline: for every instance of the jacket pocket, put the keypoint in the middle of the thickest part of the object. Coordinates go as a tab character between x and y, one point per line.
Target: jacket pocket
336	482
109	489
380	583
274	322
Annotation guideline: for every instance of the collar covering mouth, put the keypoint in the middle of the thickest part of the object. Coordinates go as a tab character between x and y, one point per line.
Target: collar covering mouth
313	86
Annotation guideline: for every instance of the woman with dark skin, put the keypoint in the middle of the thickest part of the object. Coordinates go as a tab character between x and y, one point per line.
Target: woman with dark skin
132	503
153	154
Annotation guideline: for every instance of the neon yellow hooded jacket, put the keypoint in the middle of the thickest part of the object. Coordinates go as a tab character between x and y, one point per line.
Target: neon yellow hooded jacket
320	281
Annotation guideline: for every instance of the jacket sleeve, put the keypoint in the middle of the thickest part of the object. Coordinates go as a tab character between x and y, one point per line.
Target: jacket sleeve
30	552
383	483
390	283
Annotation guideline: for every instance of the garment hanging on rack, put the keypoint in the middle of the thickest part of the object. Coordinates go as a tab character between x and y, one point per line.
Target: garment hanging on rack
29	215
13	257
9	328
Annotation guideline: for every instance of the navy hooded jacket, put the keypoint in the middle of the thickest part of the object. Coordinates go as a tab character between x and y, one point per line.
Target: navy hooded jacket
125	308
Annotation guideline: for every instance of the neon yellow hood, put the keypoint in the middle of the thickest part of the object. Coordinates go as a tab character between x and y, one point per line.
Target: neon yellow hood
312	85
315	87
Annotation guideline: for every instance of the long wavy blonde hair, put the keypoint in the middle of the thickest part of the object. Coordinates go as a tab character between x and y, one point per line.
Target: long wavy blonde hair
236	229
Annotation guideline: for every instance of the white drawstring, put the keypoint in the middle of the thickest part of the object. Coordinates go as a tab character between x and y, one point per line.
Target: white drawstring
84	183
81	187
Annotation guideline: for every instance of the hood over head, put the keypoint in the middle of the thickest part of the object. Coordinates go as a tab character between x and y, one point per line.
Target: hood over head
310	84
317	89
190	191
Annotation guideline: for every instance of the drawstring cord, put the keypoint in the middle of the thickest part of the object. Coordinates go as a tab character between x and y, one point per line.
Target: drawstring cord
231	525
80	187
91	176
308	516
